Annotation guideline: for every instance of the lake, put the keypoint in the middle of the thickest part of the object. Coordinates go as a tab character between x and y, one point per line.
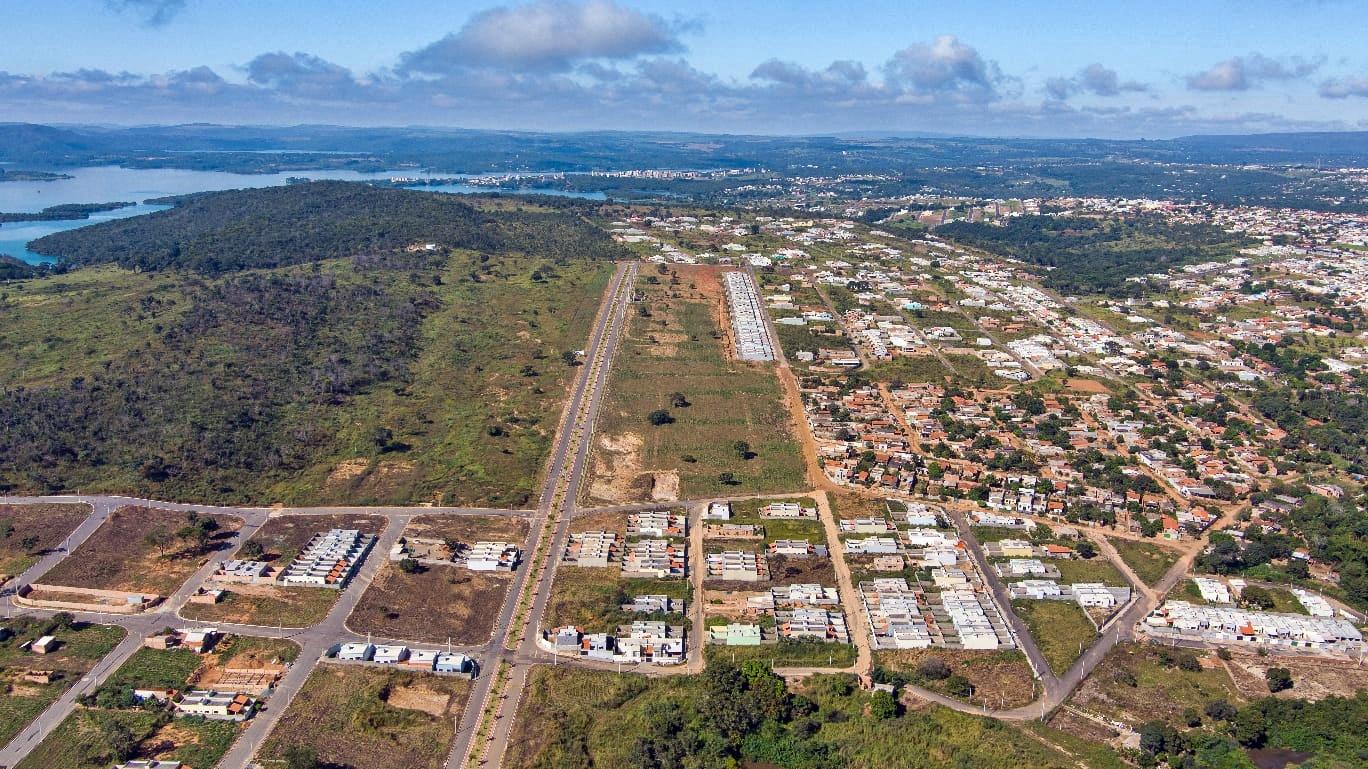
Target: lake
107	184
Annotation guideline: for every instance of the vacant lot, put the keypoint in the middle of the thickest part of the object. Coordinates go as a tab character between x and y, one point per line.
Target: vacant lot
138	550
999	678
437	603
787	654
81	647
592	598
94	738
1149	561
371	719
1095	569
29	531
676	345
1139	682
1060	629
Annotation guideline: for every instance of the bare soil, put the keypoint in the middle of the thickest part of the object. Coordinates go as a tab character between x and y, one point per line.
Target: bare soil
1000	678
1312	678
284	536
49	523
117	557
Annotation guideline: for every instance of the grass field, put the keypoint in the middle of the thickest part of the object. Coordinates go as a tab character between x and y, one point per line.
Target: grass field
458	405
486	394
1058	627
21	701
787	654
83	741
119	556
575	718
592	598
365	717
1149	561
1000	678
40	527
681	347
1095	569
156	669
1161	689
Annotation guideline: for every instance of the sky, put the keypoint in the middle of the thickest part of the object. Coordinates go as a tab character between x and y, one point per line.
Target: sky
1060	68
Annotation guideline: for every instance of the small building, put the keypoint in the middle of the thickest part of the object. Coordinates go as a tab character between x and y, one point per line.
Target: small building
719	511
735	634
215	705
448	662
390	654
45	645
356	652
421	659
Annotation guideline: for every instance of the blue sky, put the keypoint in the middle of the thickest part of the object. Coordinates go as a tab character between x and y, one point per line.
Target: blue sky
1065	68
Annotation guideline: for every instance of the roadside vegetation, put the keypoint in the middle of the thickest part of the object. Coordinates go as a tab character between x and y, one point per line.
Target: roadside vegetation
1150	562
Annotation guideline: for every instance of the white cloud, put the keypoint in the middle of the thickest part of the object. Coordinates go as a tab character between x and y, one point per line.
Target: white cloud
1344	87
1244	72
546	36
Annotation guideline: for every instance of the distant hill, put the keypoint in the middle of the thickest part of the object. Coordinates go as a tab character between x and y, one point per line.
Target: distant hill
1323	144
221	232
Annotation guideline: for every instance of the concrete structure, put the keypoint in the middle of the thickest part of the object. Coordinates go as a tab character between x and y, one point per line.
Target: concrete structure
750	329
215	705
330	559
1274	631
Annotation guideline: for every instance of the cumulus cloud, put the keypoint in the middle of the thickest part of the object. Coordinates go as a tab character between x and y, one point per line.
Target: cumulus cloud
547	36
1094	79
153	13
304	75
945	67
1244	72
1344	87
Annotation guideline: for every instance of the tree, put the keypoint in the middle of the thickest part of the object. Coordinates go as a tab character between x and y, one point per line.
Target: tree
252	550
727	479
1220	710
678	400
1250	727
1257	597
659	417
1279	679
934	669
570	357
119	739
29	543
410	566
882	705
159	538
743	449
299	756
959	686
1086	550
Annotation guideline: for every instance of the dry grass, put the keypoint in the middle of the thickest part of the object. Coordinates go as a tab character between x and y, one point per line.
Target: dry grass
117	557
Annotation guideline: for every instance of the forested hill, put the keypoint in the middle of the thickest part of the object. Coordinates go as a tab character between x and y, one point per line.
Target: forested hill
278	226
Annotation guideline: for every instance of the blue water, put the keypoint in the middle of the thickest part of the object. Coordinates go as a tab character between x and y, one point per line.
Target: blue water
107	184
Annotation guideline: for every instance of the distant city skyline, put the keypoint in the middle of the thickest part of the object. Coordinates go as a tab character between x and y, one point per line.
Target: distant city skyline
1124	70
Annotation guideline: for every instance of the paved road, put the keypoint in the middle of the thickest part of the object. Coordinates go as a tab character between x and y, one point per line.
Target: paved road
1004	601
563	479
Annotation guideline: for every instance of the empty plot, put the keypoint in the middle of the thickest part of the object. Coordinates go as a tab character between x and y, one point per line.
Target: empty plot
435	603
139	549
366	717
29	531
674	360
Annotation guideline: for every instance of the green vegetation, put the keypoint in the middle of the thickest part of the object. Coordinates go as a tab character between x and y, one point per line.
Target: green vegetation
1150	562
1060	628
155	669
675	345
388	377
81	646
63	211
95	738
276	226
592	598
379	719
1097	255
1141	682
1096	569
28	531
802	653
730	716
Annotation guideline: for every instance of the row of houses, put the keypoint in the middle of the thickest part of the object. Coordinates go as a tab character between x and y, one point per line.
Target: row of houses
399	655
1272	630
330	559
1086	594
749	325
642	641
480	556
